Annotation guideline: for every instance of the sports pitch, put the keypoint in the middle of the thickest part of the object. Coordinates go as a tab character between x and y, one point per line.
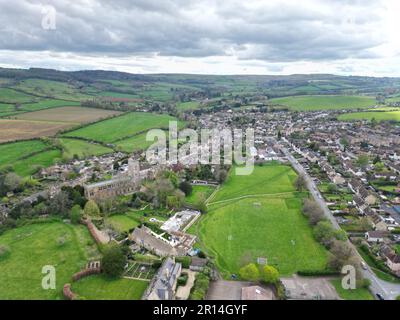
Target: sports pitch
245	222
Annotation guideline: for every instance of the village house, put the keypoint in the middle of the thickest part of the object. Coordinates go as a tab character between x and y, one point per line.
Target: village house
392	259
378	223
375	236
163	285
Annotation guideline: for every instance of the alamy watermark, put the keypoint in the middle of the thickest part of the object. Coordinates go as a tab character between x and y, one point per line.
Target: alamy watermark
49	18
49	278
349	279
211	146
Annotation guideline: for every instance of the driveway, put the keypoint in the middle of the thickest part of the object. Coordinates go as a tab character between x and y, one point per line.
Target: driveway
183	292
226	290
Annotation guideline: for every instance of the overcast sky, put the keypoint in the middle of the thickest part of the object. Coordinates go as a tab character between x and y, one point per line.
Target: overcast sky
359	37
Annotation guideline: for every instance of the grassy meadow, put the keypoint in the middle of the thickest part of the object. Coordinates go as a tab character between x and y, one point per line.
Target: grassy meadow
102	288
122	127
197	190
392	115
266	223
34	246
82	149
328	102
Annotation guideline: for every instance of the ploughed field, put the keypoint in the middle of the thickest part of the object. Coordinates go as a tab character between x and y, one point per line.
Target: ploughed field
259	216
48	122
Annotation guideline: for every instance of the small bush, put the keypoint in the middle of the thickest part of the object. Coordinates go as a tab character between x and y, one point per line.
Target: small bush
182	280
186	261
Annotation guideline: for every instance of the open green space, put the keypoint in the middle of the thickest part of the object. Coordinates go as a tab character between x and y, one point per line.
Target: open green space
48	103
238	231
11	152
378	116
134	143
266	179
114	94
123	126
197	190
328	102
357	294
31	165
52	89
34	246
191	105
122	223
82	149
12	96
99	287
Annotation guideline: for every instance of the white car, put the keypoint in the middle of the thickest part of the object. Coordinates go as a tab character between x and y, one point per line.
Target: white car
364	265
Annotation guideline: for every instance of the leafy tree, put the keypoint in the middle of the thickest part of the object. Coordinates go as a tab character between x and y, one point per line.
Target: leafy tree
324	232
12	181
332	188
313	211
76	214
113	261
250	272
300	183
59	204
376	159
200	203
341	254
91	209
186	187
269	275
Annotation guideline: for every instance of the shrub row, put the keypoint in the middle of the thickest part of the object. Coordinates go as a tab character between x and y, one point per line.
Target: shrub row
200	287
315	273
68	294
85	273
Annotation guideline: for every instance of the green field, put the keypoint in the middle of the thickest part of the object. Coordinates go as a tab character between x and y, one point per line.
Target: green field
11	152
7	109
12	96
102	288
122	223
82	149
267	223
48	103
312	103
357	294
113	94
123	126
268	179
206	190
191	105
378	116
52	89
30	165
134	143
34	246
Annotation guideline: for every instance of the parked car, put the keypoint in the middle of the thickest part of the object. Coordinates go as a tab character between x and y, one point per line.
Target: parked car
379	296
364	265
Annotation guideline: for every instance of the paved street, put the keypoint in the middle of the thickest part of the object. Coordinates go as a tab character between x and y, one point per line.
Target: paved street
388	290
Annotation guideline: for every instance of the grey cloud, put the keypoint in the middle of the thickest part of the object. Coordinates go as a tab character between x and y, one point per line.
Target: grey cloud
274	31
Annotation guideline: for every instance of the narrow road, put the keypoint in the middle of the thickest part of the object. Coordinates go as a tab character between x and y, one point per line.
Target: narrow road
388	290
